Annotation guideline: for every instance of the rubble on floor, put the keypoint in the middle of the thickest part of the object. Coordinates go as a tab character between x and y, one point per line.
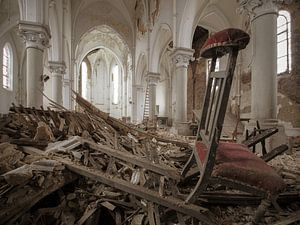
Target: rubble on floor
62	167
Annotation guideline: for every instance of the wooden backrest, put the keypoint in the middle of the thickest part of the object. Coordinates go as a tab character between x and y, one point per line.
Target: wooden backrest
229	42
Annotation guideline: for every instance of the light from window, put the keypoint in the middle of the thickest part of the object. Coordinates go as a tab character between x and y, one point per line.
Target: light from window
84	80
283	42
7	67
115	79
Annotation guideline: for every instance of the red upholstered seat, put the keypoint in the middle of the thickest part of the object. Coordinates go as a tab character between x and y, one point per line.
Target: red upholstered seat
236	162
218	44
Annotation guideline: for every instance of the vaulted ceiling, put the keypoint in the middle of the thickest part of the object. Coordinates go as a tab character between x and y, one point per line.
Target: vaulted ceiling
117	14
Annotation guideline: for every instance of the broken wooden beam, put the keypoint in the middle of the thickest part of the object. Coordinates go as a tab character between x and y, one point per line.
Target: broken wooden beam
124	127
274	152
253	140
294	217
10	212
176	204
157	168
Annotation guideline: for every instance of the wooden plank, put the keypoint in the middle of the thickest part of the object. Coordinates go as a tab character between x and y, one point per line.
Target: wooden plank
166	201
290	219
10	214
274	152
259	137
180	219
123	127
157	168
151	216
218	74
156	214
150	195
89	211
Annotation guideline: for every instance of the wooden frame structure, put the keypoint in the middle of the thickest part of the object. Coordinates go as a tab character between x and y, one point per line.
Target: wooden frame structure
212	118
208	151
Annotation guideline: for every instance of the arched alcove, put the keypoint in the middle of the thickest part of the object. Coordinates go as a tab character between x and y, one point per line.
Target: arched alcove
105	49
164	86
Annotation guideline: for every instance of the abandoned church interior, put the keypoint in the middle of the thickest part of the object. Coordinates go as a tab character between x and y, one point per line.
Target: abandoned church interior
149	112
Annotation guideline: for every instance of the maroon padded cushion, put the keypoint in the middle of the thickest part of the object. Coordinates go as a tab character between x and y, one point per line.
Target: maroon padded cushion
219	43
236	162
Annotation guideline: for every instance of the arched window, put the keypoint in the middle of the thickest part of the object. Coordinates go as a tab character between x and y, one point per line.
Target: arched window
7	67
84	80
283	42
115	80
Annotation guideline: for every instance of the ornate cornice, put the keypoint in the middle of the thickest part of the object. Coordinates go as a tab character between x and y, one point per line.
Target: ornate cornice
35	35
57	68
153	78
181	56
256	8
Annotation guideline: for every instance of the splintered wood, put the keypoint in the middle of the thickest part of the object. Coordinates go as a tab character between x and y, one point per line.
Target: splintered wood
62	167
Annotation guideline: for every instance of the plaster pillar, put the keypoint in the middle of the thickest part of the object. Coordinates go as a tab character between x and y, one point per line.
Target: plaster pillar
36	37
137	91
152	79
67	93
263	14
181	58
57	69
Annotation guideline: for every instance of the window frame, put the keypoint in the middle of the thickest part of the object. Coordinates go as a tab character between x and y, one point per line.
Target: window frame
116	89
287	31
84	79
9	67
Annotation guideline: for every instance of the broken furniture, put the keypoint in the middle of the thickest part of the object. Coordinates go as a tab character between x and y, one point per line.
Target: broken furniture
259	135
229	164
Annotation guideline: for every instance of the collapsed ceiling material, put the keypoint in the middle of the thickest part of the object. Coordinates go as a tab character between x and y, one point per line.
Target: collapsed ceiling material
63	167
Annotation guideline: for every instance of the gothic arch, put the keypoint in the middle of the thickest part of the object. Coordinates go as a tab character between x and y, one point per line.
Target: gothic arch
141	68
163	38
213	19
191	12
102	37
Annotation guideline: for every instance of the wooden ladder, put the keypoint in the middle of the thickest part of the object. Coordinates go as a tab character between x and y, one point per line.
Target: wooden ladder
146	105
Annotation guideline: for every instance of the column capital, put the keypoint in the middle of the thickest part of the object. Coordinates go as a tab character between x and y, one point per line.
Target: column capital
57	67
257	8
35	35
181	56
153	78
138	87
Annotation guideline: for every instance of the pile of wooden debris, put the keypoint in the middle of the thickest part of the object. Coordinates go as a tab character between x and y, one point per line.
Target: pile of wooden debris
62	167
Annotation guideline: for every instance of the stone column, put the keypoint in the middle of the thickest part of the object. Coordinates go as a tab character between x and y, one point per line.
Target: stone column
152	79
36	37
136	103
263	18
57	69
263	14
181	58
67	93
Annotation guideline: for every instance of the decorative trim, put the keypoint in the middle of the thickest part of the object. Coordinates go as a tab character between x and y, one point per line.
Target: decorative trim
138	87
257	8
35	35
181	56
153	78
57	67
